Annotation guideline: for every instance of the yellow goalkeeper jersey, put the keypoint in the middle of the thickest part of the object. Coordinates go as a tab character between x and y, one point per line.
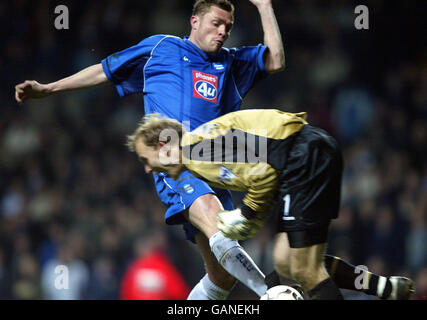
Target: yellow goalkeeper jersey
243	151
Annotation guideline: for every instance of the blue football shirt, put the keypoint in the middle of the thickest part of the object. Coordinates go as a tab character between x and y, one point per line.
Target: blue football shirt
181	81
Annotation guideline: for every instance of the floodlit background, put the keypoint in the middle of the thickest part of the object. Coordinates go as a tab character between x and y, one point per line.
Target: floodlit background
71	194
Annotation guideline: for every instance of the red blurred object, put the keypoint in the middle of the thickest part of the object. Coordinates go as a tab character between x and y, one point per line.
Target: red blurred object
153	277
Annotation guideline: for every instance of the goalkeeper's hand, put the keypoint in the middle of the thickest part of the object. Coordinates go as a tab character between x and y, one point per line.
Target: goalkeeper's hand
234	225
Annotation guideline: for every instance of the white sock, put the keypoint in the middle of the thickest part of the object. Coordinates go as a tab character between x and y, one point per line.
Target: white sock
237	262
207	290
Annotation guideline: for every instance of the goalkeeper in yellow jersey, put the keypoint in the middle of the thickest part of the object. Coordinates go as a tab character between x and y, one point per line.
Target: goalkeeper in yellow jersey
273	156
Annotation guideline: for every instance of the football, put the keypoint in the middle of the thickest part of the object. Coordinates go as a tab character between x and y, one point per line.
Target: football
282	292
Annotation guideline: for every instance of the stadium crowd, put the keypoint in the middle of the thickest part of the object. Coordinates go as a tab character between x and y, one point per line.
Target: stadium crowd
71	194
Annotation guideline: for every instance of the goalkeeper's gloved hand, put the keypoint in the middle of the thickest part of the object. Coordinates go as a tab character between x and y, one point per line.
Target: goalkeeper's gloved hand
239	225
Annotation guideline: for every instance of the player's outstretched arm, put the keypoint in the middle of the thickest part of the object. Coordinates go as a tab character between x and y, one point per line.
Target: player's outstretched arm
89	77
274	59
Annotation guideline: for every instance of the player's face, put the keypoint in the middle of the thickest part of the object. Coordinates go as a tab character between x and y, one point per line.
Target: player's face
159	159
211	30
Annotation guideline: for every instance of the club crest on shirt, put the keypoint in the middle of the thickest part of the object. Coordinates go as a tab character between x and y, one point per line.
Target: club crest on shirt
205	86
226	174
188	188
206	128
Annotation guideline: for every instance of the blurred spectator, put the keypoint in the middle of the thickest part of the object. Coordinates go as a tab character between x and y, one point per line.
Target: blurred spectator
104	283
26	280
152	276
416	241
5	278
13	200
66	276
353	113
341	234
385	242
421	285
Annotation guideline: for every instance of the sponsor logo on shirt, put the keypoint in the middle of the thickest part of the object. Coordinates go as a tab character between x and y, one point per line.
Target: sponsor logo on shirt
205	86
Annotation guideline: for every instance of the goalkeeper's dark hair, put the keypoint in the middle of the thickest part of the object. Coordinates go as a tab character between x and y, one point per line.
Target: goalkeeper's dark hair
200	7
152	128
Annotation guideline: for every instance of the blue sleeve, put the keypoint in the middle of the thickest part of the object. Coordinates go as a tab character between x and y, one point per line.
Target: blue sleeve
248	67
126	68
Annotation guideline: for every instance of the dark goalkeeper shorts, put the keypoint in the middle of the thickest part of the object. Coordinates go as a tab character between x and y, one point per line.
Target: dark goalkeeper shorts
310	187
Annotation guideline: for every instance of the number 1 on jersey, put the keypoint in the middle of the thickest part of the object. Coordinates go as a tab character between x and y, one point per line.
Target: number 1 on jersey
286	205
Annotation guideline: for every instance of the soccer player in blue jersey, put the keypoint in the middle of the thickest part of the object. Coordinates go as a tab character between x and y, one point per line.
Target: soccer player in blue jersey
193	80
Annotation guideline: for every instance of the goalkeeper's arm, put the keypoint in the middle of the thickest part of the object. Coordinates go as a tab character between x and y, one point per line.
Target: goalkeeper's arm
237	225
245	222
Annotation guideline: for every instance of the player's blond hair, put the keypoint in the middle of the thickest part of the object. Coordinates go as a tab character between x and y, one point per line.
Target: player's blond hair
200	7
150	129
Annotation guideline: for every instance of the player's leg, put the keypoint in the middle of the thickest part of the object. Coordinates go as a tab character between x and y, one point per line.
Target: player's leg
217	283
346	276
308	268
232	257
281	255
281	259
305	264
178	196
